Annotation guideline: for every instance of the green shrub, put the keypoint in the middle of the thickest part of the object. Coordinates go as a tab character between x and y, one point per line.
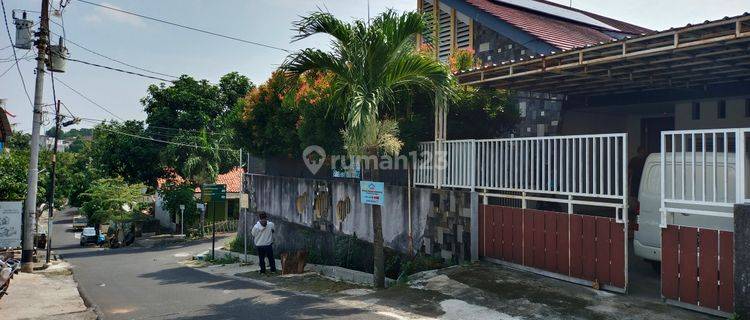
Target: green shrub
237	244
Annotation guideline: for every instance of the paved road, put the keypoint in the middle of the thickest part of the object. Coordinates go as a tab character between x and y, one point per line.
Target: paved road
139	283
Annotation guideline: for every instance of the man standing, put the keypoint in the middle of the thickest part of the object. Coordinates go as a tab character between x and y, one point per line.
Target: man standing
263	238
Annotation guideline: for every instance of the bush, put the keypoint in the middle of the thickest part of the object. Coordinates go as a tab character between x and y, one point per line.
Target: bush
237	244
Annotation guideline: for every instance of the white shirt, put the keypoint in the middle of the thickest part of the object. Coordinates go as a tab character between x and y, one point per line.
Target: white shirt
263	235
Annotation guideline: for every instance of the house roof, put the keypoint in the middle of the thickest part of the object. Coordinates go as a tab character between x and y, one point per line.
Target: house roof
693	56
557	31
232	179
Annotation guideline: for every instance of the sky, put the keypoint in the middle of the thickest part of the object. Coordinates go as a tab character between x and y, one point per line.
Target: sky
175	51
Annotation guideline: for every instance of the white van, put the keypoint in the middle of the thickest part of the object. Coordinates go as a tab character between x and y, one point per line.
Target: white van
647	240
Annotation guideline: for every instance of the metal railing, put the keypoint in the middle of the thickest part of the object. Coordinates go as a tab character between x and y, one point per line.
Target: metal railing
703	171
585	165
541	168
582	165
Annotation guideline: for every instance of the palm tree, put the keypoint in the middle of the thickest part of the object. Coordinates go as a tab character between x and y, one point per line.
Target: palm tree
373	64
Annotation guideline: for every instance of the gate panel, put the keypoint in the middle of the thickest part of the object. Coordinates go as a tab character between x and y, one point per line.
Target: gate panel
518	245
507	217
688	238
602	250
697	267
571	245
617	254
669	266
482	232
576	246
726	271
588	258
528	239
550	241
708	263
563	247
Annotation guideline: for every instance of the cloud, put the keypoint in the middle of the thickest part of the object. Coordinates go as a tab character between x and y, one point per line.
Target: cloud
104	15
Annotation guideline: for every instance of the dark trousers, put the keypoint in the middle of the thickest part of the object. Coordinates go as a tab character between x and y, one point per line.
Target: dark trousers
263	253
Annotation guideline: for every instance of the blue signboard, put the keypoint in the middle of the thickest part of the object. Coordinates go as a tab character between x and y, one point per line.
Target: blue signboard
372	192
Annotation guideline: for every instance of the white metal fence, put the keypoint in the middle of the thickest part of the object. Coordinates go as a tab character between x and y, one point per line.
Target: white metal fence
574	166
703	172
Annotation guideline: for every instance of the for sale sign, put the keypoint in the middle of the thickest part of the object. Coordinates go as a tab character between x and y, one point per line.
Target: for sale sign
10	224
372	192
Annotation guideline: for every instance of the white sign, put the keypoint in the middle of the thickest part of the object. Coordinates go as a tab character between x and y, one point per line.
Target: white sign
372	192
10	223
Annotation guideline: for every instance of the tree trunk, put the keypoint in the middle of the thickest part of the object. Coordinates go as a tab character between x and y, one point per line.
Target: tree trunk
377	238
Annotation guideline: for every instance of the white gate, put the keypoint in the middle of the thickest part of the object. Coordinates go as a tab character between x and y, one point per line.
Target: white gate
581	243
703	174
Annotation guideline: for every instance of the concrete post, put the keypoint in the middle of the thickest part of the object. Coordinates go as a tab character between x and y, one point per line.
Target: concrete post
742	260
474	226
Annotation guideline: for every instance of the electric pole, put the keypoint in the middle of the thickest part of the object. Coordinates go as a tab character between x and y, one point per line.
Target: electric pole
51	199
27	253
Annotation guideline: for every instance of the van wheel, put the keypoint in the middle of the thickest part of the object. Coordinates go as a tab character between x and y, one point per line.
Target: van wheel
656	265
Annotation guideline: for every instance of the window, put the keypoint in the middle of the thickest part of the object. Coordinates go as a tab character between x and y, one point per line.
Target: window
721	109
747	108
696	110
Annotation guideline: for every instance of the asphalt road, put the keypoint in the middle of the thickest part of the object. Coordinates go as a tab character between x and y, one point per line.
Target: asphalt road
140	283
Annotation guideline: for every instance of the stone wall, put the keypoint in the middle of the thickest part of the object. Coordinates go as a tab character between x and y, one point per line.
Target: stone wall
742	260
440	219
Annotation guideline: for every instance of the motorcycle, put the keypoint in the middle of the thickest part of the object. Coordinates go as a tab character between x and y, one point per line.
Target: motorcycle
8	268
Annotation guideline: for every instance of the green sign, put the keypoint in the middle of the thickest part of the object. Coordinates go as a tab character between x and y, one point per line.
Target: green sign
213	192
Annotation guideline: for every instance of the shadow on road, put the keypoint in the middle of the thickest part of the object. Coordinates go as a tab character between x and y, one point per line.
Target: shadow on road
268	301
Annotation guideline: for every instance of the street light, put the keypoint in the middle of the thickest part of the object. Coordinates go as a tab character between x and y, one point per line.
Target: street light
182	219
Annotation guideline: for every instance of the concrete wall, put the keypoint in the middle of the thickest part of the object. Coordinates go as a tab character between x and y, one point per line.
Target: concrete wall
735	118
440	219
162	214
742	260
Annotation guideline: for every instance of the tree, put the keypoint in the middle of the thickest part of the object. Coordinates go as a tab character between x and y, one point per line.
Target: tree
174	195
112	199
372	65
196	112
196	157
117	150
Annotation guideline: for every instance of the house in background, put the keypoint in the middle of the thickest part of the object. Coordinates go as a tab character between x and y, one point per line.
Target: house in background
5	129
232	179
505	31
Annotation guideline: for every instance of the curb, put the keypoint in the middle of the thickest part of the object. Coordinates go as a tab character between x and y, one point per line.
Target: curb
82	293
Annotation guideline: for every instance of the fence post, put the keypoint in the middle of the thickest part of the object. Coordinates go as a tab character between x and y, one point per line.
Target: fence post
473	165
739	154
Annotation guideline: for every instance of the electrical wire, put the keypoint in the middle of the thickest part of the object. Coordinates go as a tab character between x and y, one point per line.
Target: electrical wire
90	100
185	26
119	70
16	63
10	39
158	140
113	59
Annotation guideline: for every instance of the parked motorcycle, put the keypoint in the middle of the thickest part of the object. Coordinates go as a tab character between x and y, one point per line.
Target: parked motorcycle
8	268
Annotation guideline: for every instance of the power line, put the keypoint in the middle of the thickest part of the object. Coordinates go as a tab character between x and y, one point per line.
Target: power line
162	141
89	100
10	39
113	59
185	27
119	70
16	63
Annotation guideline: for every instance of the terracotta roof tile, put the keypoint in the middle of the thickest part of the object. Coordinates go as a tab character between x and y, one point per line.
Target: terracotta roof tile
233	180
558	32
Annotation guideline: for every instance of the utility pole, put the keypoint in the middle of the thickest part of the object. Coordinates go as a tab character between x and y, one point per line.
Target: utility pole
30	216
51	199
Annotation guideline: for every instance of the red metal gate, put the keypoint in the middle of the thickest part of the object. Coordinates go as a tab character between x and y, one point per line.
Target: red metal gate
579	248
697	267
